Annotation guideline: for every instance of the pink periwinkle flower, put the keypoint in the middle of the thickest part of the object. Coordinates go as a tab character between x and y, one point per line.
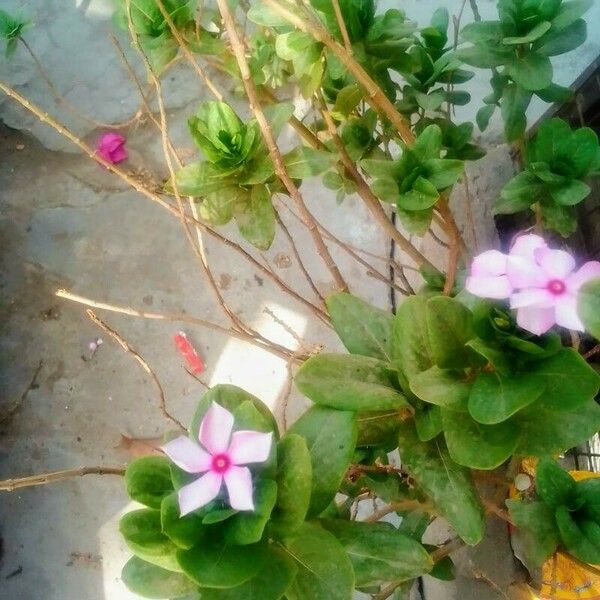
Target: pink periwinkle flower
111	147
541	283
219	460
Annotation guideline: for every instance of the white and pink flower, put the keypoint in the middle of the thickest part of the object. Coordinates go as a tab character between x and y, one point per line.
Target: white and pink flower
219	460
542	284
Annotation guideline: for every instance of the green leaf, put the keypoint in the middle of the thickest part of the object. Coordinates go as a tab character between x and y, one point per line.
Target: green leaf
513	104
443	172
457	97
442	387
501	361
532	72
536	529
278	115
588	306
218	516
519	194
562	41
546	431
364	329
428	422
305	162
428	143
431	101
149	581
185	531
553	484
247	527
484	114
422	195
478	446
160	51
571	193
496	397
482	32
270	583
262	14
385	169
218	208
379	552
199	179
215	564
349	382
444	570
143	534
534	34
570	380
346	101
484	57
555	93
324	569
257	222
448	485
294	480
574	539
330	437
570	12
558	218
450	327
588	490
377	427
416	222
148	480
386	189
258	170
410	338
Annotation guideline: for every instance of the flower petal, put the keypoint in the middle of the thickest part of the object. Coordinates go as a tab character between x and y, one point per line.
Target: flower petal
525	273
556	263
489	287
119	154
187	455
492	262
249	447
239	487
540	298
535	320
590	270
525	246
215	429
566	313
197	494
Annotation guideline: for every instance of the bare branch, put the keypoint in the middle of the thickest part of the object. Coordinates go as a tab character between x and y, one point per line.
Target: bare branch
10	485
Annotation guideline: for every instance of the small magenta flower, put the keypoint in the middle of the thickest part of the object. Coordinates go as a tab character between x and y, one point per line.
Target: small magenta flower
111	147
219	462
541	283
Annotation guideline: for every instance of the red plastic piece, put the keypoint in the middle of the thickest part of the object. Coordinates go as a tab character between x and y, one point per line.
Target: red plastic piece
195	363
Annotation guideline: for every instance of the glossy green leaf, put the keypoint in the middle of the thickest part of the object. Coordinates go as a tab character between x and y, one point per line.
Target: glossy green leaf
324	569
305	162
330	437
495	397
213	563
149	581
484	114
513	106
569	12
588	306
256	221
535	33
571	193
443	172
294	484
378	427
386	189
532	72
478	446
565	40
553	484
349	382
428	422
185	531
482	32
148	480
450	327
218	208
199	179
588	491
346	101
448	485
247	527
364	329
379	552
443	387
536	529
423	195
270	583
575	539
142	532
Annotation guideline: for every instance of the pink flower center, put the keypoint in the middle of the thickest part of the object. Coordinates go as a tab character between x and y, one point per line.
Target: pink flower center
221	463
556	287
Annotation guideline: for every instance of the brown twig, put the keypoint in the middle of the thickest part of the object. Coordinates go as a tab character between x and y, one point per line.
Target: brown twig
447	549
595	350
342	25
375	96
10	485
15	407
119	339
139	187
274	152
388	590
398	506
275	349
364	191
455	246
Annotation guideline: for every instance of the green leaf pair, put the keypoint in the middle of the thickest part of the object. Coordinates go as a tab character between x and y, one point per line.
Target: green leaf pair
11	29
558	159
567	514
413	182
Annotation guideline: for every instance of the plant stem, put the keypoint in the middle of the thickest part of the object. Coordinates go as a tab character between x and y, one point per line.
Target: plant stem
274	152
398	506
10	485
342	25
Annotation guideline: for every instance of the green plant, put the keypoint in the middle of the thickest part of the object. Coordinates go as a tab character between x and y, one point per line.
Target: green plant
11	29
557	160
